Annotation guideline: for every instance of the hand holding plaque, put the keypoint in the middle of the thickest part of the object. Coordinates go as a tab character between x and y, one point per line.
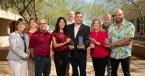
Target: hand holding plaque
71	45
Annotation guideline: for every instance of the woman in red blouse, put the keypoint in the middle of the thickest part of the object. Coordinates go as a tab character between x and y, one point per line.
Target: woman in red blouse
98	51
60	46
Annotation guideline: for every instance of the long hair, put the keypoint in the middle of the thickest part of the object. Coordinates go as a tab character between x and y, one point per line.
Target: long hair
28	26
57	28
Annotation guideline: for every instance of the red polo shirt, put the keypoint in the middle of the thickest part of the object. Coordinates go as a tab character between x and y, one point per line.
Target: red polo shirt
40	42
99	51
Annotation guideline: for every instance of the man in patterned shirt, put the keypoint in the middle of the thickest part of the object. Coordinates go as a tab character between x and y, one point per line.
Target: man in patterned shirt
121	34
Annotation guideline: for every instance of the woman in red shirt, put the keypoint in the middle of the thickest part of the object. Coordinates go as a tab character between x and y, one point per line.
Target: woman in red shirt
60	46
98	51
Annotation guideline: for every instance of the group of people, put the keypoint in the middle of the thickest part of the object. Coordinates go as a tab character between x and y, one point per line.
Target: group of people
72	42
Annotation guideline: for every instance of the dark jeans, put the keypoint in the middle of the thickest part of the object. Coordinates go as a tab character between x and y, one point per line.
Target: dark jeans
99	65
61	60
42	66
125	63
81	63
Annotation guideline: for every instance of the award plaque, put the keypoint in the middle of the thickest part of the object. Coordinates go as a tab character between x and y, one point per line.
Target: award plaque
80	42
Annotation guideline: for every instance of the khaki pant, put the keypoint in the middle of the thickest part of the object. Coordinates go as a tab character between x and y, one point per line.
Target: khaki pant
31	67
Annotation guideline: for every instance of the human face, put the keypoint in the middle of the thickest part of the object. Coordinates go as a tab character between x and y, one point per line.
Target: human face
21	27
96	25
33	24
107	19
118	16
78	18
71	15
61	24
42	24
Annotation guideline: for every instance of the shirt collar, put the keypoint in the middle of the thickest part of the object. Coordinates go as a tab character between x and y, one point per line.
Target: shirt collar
42	31
122	22
77	25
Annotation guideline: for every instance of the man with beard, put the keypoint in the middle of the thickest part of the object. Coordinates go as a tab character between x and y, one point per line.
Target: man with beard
121	34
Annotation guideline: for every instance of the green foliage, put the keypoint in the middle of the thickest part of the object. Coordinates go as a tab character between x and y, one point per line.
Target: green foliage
52	9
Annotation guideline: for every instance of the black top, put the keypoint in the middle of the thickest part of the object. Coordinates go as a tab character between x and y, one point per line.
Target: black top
84	32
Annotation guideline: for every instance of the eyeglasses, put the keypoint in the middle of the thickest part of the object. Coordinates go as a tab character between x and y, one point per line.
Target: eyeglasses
42	23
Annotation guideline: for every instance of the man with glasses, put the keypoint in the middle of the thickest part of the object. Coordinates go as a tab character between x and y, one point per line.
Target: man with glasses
121	34
40	43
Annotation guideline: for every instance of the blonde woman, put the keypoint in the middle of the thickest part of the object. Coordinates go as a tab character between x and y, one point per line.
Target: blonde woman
98	51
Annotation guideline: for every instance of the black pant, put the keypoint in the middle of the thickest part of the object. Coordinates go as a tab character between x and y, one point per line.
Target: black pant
81	63
61	60
125	63
99	65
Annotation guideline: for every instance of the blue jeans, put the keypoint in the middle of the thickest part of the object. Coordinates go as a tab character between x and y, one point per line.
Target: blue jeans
81	63
42	66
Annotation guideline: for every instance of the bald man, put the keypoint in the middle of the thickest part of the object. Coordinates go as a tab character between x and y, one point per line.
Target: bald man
121	34
71	15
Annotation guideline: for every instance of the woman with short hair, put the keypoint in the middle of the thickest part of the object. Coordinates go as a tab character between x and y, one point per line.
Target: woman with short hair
18	52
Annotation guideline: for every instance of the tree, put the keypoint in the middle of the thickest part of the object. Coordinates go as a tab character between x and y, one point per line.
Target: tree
136	6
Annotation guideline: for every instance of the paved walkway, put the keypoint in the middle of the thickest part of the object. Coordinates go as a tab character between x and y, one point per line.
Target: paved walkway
137	68
137	65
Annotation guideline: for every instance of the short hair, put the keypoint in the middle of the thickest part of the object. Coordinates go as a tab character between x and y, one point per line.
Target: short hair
107	14
78	13
71	11
118	10
20	20
43	19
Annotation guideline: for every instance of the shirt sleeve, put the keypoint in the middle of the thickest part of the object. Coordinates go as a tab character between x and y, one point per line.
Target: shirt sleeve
130	31
110	32
32	41
53	34
104	37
